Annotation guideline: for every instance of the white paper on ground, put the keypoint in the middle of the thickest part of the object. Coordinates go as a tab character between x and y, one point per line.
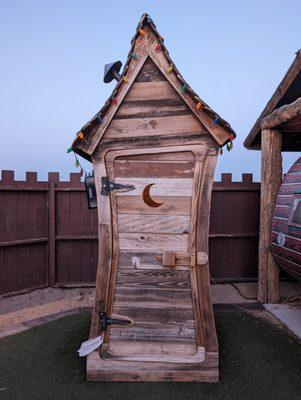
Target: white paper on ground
89	346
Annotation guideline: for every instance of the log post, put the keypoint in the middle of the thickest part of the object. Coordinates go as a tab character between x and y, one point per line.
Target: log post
271	177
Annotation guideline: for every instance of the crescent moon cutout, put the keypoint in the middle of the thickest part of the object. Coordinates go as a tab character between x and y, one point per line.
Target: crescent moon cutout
147	197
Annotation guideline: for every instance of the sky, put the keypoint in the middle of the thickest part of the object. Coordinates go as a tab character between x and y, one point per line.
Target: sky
232	53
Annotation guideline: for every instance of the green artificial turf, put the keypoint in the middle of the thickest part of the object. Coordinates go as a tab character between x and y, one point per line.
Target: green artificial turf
256	362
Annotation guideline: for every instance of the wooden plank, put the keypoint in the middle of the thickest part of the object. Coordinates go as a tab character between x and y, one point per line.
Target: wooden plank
211	361
184	357
156	169
198	171
203	275
169	187
284	200
291	251
101	374
172	328
177	224
153	242
151	91
271	176
154	126
164	316
152	279
291	267
114	370
104	250
151	298
52	232
289	188
153	141
23	242
282	114
152	108
282	211
157	151
172	156
171	205
149	72
148	260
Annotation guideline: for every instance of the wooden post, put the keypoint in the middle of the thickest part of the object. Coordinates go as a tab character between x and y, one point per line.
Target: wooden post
271	177
53	177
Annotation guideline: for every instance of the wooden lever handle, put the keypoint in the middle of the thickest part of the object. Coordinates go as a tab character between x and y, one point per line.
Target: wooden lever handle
170	258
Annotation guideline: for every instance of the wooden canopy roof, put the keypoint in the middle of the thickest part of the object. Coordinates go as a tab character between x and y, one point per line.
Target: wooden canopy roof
282	112
147	42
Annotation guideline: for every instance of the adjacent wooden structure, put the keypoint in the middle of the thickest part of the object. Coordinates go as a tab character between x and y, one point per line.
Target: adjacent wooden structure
286	225
156	137
277	129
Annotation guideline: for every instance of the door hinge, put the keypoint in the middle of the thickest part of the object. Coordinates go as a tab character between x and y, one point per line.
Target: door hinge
104	321
107	186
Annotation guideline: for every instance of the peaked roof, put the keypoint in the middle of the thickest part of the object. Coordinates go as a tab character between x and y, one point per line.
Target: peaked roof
89	136
287	92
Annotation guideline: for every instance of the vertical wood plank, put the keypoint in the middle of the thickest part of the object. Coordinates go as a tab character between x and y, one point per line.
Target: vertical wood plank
202	246
198	171
271	176
53	177
104	248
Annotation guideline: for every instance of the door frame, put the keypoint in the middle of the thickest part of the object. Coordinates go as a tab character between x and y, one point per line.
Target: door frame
200	152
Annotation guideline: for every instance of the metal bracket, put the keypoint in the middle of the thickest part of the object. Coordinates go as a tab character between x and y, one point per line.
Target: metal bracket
107	186
104	321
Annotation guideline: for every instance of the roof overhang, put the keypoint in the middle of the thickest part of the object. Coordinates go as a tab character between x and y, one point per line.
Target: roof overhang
286	93
144	46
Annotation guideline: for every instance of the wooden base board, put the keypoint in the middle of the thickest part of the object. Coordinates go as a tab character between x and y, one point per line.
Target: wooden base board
99	369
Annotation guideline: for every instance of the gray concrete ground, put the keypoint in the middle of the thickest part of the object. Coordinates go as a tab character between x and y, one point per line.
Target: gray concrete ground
287	314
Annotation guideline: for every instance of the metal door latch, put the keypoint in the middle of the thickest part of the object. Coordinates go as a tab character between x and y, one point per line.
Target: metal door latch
107	186
104	321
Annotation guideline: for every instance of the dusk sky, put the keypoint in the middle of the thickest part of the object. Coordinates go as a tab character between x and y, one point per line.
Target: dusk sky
232	53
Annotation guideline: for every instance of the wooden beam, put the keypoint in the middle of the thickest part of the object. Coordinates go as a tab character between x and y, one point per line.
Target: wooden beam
284	85
282	115
271	176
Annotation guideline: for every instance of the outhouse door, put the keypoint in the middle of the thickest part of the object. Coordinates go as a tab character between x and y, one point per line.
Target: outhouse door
155	272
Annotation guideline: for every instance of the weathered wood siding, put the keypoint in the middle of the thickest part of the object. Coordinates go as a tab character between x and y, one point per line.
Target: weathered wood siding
143	285
288	254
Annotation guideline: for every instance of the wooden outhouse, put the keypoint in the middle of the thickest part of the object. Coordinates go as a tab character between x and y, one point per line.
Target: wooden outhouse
278	129
154	147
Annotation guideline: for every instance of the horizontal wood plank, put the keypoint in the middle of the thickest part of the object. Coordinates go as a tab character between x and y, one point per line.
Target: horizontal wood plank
153	279
134	297
181	187
153	242
151	108
172	156
156	169
176	224
154	126
171	205
145	260
151	91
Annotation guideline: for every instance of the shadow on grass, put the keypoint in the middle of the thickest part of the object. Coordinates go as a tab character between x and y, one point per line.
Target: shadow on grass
256	362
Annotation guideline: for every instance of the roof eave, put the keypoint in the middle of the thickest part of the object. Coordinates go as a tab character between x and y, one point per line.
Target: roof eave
274	100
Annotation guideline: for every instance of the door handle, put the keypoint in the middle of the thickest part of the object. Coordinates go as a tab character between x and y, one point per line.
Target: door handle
171	258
